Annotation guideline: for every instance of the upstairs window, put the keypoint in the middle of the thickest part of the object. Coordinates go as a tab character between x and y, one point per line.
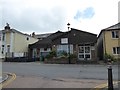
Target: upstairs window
27	38
64	40
0	36
3	37
115	34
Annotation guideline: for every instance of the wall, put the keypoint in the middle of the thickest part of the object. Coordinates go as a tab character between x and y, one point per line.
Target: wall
21	42
110	43
1	44
100	48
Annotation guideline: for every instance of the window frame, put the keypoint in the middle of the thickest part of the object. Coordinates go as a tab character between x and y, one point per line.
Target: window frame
64	47
3	49
84	53
3	37
115	50
8	48
115	34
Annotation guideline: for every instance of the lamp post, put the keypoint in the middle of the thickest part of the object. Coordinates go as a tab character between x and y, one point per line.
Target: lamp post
68	43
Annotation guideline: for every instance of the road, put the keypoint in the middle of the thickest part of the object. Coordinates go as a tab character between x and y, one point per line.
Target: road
96	72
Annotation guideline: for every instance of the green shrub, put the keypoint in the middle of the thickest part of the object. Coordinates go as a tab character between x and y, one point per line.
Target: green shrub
108	56
73	56
51	54
64	53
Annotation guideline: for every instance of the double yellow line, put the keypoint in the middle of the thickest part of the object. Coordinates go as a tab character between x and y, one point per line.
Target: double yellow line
11	77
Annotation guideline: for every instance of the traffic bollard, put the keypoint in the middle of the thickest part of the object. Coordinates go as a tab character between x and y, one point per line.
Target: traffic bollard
110	78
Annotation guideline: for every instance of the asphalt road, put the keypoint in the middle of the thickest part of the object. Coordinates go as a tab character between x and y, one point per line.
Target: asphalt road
96	72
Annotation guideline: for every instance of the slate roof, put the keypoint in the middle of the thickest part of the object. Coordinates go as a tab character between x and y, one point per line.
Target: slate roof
113	27
42	36
46	42
82	37
75	36
116	26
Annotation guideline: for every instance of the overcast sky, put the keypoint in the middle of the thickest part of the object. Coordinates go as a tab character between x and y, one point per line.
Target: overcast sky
46	16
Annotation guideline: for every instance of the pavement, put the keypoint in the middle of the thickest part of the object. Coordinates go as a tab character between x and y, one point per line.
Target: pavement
3	78
7	78
105	86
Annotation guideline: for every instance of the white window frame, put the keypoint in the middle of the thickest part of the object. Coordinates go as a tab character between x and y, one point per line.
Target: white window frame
84	53
64	40
116	51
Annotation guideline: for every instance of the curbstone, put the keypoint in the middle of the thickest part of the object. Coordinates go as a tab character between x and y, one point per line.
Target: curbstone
4	79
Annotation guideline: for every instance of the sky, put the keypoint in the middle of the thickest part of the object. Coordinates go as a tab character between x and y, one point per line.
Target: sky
49	16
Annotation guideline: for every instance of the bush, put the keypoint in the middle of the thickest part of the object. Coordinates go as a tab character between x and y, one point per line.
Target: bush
73	56
108	56
64	53
51	54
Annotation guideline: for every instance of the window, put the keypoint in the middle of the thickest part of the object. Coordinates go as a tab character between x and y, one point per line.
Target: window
81	56
115	34
0	37
64	40
8	48
45	49
2	49
81	49
84	52
87	56
116	50
87	49
27	38
3	37
61	48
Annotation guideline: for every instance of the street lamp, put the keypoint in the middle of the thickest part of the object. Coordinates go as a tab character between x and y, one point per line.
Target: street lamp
68	43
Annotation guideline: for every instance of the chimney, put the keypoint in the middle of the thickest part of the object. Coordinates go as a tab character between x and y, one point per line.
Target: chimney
33	34
7	26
